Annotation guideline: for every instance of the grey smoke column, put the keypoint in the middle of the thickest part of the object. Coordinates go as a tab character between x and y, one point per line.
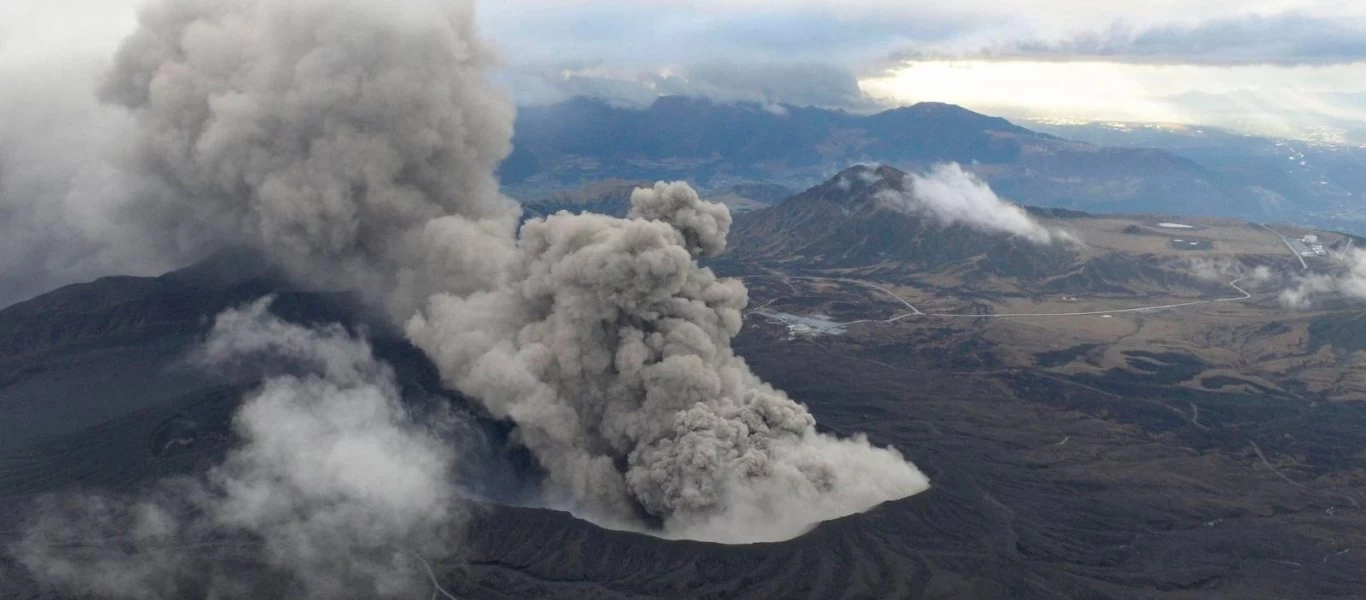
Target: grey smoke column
608	345
354	142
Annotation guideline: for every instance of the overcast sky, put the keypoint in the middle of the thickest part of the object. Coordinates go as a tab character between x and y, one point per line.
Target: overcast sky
1151	60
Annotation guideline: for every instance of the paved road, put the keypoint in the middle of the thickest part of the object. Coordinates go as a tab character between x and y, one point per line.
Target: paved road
918	313
436	585
1234	284
915	312
1286	241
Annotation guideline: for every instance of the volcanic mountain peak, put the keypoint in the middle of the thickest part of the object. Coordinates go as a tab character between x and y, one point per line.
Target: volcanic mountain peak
848	223
857	187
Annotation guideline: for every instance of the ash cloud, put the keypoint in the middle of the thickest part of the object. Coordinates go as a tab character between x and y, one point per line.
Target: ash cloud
333	486
951	195
62	195
355	145
610	348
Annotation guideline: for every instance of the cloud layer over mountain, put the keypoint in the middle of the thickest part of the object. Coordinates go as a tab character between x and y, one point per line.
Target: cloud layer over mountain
952	195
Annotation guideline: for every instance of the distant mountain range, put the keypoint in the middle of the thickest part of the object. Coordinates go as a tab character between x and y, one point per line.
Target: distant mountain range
613	197
1311	183
719	145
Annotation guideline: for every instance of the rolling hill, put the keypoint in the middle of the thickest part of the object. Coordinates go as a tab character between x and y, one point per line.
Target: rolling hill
841	225
1045	485
717	145
1155	455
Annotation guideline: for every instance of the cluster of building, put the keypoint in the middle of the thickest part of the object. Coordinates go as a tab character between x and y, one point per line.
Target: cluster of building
1308	246
803	326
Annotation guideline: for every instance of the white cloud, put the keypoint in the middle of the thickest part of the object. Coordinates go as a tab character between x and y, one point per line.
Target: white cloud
1349	282
1091	88
334	479
954	196
1223	270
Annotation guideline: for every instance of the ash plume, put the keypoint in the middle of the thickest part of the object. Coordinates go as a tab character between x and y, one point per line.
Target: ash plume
63	199
336	485
952	195
610	348
355	145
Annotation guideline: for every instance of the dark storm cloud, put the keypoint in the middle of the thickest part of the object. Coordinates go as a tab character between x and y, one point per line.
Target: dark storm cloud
1287	39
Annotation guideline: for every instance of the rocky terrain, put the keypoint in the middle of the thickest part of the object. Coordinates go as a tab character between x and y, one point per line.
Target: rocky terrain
1186	453
1046	485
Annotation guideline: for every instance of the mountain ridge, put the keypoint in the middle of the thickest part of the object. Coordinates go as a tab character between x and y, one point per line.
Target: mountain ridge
719	145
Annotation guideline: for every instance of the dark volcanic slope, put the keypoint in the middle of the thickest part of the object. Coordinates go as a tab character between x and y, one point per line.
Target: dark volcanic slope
841	225
1043	487
715	145
86	354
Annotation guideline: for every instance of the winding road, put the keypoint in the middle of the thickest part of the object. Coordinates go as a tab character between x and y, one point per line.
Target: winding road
436	585
915	312
1286	241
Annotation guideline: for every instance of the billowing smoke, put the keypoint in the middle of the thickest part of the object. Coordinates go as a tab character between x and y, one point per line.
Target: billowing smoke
341	491
952	195
610	348
62	199
1349	281
354	144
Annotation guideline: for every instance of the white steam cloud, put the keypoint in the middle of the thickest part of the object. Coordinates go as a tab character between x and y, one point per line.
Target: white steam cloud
338	487
1349	281
952	195
355	145
1224	269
